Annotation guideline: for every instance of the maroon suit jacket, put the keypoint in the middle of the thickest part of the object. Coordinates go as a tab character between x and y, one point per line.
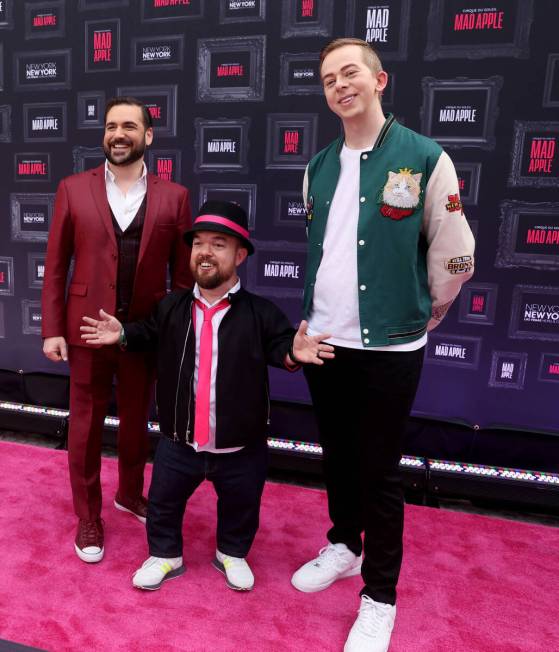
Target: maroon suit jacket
82	227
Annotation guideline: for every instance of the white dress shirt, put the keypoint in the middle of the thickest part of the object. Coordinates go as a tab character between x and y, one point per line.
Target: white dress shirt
125	206
216	321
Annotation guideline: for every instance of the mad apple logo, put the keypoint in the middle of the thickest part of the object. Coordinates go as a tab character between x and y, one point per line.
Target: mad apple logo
478	20
165	168
102	45
478	304
307	10
377	24
280	269
542	155
291	141
32	168
452	350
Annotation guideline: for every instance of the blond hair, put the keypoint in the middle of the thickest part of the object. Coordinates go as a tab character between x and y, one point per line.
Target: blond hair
370	57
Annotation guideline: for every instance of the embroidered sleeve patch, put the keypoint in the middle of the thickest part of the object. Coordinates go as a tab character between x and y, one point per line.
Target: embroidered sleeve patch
459	265
454	203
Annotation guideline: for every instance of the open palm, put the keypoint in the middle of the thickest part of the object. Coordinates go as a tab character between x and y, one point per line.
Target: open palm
103	331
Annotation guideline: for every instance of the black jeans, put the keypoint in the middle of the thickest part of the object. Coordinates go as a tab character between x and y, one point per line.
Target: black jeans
238	479
362	401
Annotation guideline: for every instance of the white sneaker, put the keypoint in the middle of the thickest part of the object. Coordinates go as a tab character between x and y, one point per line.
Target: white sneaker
155	571
334	562
372	630
237	572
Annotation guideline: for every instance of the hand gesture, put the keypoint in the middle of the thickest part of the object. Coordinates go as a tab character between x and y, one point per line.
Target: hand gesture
311	348
102	331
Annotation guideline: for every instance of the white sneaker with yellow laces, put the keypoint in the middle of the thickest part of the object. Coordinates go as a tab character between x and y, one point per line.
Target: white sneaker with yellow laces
155	571
237	572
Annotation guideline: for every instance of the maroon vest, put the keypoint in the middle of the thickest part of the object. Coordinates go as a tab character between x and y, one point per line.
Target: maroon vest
128	243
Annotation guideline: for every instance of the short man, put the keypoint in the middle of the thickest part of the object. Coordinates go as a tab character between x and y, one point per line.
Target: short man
124	228
213	347
389	248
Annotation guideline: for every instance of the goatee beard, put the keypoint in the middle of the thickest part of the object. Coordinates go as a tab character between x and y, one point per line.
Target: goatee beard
135	154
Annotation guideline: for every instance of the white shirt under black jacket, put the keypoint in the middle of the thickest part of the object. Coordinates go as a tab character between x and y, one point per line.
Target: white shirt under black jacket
216	321
125	206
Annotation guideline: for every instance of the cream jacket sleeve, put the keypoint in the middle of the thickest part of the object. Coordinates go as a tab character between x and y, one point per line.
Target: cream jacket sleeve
450	254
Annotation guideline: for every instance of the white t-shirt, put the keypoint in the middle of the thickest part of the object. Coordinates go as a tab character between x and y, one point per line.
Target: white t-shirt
335	307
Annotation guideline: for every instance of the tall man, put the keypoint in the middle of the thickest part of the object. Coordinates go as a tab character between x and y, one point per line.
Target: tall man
123	227
389	248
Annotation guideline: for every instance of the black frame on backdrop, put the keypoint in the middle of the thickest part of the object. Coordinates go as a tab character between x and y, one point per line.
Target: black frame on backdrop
8	22
154	154
492	85
40	199
81	154
169	127
521	129
28	138
299	221
496	358
277	121
64	84
474	169
258	16
5	123
31	179
289	88
243	126
507	256
519	47
465	314
115	67
60	29
249	188
551	70
322	26
281	247
254	92
515	330
83	122
157	65
452	340
27	307
172	17
400	53
34	257
7	266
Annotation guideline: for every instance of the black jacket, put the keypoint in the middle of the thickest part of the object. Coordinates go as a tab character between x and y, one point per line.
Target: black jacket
254	333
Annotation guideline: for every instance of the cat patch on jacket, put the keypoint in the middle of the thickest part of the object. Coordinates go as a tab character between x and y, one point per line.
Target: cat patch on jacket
401	194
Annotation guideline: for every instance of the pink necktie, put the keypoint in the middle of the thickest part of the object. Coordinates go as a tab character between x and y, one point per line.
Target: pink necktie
202	410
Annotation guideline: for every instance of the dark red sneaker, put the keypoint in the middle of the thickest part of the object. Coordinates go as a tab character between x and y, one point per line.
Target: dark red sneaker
89	542
137	506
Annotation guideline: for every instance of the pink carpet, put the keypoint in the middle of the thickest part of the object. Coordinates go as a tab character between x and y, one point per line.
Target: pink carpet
469	583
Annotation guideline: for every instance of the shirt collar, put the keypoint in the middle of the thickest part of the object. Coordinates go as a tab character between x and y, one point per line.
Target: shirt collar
197	295
110	176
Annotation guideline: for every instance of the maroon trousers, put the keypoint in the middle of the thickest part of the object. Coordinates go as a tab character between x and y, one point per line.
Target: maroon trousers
91	376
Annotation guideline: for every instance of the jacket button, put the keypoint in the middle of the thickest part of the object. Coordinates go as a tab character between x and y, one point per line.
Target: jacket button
327	202
362	287
362	200
365	331
112	286
361	243
365	157
366	340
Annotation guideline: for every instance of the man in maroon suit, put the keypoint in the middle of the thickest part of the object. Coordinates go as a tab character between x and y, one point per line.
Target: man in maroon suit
123	227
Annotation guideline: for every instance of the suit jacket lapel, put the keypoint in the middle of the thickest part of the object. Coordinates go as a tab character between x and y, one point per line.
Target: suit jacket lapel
99	192
152	209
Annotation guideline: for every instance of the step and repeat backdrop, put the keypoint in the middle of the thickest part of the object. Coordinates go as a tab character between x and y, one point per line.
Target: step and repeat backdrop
234	91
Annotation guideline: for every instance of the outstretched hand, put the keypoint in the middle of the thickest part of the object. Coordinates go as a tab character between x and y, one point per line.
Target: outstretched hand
311	348
102	331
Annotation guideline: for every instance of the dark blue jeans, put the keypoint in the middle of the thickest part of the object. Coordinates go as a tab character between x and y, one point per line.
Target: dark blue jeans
238	479
362	401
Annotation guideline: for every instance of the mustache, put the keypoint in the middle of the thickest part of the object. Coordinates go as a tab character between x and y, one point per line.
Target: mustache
119	141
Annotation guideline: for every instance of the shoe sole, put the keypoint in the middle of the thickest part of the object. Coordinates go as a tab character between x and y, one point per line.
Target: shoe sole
122	508
88	557
352	572
221	568
170	576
